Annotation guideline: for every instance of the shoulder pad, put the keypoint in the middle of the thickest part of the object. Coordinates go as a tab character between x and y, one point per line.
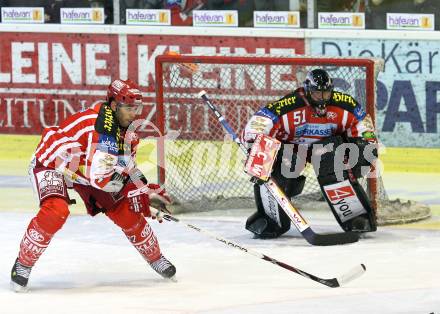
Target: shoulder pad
347	102
97	107
106	122
265	112
287	103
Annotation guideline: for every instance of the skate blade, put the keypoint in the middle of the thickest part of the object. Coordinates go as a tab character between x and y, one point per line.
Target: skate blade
172	279
19	289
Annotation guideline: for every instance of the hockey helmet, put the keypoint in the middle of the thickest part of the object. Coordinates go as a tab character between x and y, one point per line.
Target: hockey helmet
318	86
124	93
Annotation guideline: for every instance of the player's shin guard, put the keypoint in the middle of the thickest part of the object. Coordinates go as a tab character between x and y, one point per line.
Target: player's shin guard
50	218
33	244
144	240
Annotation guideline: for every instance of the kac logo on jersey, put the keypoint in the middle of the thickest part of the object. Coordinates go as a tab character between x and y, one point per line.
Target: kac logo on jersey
107	144
331	115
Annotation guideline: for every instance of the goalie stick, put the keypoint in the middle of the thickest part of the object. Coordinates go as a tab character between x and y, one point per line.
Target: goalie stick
294	215
352	274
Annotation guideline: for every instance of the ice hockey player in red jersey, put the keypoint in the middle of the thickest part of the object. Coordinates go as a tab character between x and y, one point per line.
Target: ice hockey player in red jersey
315	124
93	152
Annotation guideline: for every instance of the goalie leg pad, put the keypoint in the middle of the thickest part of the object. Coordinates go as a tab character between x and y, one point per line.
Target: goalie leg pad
350	205
367	222
269	221
346	198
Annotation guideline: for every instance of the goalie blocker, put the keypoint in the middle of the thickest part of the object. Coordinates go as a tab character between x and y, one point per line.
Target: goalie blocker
337	176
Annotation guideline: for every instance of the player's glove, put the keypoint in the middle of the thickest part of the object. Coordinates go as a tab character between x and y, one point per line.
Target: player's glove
140	198
159	198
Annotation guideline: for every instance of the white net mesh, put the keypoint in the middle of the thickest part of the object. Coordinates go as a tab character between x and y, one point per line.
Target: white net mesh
203	169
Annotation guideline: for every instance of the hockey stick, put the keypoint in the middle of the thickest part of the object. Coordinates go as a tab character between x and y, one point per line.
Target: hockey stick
354	273
294	215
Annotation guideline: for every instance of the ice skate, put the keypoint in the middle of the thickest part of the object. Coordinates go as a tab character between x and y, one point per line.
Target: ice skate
163	267
20	277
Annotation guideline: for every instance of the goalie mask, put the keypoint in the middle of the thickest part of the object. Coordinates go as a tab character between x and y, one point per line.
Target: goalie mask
318	86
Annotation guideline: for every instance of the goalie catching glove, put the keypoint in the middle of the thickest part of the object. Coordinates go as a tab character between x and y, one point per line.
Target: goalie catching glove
140	198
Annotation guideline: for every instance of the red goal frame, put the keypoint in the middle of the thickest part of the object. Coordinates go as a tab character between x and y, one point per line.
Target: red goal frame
370	85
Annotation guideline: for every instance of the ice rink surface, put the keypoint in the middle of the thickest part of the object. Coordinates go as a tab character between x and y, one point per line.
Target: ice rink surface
90	267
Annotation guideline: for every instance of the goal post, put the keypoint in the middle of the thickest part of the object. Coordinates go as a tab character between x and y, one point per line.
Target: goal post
201	169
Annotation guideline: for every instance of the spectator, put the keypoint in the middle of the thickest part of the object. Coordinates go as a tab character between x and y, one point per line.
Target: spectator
181	10
52	11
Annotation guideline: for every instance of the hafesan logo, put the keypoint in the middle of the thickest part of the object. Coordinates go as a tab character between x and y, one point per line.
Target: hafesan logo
96	15
229	19
426	22
36	15
292	19
357	20
409	21
341	20
163	17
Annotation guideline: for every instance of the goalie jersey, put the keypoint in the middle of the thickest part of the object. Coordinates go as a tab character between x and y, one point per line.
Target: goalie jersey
292	119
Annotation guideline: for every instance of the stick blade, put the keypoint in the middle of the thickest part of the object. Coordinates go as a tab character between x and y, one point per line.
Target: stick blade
351	275
330	239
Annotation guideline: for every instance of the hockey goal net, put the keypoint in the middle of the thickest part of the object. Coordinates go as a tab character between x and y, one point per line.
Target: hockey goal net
203	169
